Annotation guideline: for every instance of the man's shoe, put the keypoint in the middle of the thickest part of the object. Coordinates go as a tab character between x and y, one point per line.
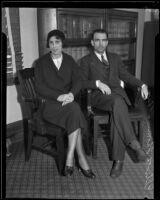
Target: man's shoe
141	155
116	168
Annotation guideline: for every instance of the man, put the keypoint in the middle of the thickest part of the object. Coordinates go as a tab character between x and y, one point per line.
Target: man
102	72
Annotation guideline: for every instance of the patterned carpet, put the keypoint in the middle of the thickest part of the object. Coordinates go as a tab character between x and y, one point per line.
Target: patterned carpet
39	178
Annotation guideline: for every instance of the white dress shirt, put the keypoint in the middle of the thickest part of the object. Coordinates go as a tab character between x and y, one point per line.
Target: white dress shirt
100	58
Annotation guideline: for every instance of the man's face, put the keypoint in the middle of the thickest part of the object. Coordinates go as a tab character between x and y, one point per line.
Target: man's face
99	42
55	46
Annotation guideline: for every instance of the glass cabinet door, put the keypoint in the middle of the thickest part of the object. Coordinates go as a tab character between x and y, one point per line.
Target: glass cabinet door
77	25
122	34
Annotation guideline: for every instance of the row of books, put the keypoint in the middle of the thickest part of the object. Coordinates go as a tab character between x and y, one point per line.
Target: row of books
118	29
76	52
82	27
79	52
79	26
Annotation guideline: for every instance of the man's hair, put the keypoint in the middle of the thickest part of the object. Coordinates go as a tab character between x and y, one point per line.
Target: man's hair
99	31
58	34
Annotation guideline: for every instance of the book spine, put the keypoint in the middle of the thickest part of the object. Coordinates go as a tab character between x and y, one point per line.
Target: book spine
63	25
84	28
69	26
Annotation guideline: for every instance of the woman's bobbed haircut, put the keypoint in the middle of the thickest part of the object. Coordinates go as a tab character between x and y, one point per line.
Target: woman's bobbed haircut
57	33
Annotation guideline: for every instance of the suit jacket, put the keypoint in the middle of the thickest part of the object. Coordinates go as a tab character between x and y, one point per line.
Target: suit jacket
92	70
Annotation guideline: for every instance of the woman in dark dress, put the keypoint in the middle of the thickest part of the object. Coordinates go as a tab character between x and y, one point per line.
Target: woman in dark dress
56	78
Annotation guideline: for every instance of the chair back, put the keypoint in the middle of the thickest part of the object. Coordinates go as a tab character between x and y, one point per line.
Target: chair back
33	103
27	83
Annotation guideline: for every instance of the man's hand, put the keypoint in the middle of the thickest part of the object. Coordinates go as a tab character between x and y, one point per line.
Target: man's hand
144	91
104	88
65	98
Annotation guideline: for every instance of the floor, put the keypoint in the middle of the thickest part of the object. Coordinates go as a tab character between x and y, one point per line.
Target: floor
39	178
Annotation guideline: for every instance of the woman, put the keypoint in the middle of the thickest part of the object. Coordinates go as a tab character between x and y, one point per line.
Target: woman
56	78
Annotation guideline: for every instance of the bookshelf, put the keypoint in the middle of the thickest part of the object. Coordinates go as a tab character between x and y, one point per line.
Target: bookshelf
78	23
122	34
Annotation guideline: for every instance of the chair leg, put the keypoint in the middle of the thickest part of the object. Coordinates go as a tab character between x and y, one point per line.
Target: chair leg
61	153
8	143
95	132
29	141
140	132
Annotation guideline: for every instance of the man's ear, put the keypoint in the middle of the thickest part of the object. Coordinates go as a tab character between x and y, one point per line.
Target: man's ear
107	42
92	43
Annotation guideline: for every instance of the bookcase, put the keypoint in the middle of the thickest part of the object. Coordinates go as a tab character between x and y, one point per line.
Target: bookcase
122	33
77	25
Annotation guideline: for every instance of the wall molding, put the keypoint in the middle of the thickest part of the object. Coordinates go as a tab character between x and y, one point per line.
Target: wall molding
15	131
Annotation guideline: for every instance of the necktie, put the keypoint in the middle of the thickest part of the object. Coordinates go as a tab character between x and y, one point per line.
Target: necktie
105	62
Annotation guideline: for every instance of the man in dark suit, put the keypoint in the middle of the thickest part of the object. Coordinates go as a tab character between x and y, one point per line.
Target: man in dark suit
102	72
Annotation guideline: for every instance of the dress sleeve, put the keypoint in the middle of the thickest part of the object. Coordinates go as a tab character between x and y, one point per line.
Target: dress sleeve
41	87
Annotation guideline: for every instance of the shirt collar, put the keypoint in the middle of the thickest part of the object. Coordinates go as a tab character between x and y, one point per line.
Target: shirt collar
99	55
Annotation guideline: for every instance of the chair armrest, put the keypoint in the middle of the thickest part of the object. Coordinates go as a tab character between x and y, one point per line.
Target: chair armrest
85	102
89	107
38	100
134	94
27	99
32	105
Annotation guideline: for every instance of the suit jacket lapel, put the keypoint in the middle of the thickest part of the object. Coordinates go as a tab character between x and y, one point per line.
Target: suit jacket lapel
97	62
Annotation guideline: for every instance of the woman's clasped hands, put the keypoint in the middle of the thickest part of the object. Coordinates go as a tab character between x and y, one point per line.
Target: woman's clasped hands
66	98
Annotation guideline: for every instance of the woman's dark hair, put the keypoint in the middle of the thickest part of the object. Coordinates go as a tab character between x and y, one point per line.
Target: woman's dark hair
99	31
58	34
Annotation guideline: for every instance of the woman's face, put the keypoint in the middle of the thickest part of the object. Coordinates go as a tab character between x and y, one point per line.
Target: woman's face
55	46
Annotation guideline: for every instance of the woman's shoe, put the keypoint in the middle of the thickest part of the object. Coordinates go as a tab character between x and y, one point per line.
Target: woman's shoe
68	171
88	173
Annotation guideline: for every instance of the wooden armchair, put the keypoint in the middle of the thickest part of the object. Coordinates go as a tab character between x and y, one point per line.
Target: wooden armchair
38	133
97	118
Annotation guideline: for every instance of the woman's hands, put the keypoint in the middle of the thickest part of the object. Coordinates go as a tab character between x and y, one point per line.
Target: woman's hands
66	98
